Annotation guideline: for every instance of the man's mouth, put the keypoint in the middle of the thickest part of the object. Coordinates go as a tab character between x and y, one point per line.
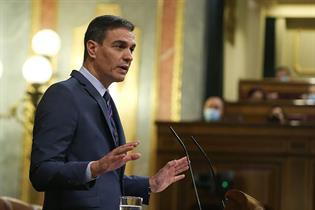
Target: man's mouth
124	67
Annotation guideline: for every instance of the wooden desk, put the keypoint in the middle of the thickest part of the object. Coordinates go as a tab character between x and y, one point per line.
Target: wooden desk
257	111
285	90
273	163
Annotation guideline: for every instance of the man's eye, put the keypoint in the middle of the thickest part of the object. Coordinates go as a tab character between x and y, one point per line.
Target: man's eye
119	46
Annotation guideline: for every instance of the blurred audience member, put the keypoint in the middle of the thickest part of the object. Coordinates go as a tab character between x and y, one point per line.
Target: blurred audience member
256	94
283	74
213	109
277	115
310	95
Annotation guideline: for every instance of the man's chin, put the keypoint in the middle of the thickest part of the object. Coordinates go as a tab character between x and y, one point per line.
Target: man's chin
120	79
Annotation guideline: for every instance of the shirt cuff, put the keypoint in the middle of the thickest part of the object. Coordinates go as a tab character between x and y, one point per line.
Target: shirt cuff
88	173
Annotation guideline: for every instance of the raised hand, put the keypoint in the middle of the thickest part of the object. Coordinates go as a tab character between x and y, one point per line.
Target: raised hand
115	159
170	173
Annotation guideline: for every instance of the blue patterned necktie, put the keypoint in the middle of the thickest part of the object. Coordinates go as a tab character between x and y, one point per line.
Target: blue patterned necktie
110	116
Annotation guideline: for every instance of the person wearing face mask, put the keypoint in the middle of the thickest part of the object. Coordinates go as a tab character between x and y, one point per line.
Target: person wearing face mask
213	109
283	74
311	93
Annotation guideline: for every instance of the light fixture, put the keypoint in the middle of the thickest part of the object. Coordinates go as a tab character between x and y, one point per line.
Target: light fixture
37	70
46	42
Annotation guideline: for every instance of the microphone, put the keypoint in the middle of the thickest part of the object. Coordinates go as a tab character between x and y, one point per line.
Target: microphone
233	197
210	164
190	168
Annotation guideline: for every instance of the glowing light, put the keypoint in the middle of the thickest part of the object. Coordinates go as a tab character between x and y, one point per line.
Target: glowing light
37	69
225	184
46	42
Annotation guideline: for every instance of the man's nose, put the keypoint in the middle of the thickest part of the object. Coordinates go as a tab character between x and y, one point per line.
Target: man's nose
128	56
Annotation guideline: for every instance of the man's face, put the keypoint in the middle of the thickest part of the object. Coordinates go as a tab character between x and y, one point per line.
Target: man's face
113	57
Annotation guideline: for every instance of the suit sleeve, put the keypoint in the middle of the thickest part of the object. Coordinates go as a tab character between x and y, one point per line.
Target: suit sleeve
54	128
137	186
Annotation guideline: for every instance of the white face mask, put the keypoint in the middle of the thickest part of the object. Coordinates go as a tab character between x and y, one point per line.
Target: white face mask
311	96
284	78
211	115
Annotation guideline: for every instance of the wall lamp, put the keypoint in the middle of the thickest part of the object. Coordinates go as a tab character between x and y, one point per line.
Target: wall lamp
37	70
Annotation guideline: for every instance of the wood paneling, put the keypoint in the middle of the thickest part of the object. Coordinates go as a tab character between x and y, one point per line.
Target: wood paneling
273	163
253	111
285	90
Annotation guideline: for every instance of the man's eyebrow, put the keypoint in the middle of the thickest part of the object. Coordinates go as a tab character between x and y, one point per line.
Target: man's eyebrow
119	42
125	43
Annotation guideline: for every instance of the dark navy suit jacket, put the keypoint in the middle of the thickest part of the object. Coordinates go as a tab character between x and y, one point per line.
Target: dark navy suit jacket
71	129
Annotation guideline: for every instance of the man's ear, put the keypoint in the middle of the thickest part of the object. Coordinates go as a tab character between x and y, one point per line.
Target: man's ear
92	47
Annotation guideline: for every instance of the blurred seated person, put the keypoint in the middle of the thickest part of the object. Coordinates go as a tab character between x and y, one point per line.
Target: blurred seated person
256	94
283	74
277	115
213	109
310	95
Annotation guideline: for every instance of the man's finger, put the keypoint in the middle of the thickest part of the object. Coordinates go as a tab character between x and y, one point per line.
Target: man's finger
171	164
183	159
135	156
179	177
134	143
181	170
132	156
123	149
182	162
117	157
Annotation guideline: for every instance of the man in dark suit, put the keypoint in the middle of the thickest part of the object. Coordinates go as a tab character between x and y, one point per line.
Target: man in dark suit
79	150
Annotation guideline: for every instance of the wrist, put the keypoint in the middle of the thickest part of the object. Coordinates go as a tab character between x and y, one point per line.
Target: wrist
152	185
95	169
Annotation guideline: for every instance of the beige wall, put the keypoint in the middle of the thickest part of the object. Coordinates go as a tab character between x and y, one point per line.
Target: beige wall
244	58
14	49
295	40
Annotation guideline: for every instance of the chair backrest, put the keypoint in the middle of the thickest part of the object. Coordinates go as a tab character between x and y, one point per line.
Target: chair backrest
9	203
238	200
4	205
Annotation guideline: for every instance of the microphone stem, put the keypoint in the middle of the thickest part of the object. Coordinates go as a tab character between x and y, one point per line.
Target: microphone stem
190	167
208	159
210	164
194	183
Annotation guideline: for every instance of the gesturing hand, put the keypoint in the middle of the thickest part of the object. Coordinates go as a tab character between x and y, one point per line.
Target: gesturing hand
170	173
115	159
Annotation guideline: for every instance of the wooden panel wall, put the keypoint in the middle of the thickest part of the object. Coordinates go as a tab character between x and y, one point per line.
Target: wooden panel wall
286	90
273	163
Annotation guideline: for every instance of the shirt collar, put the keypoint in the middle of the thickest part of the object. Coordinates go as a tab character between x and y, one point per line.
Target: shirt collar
95	82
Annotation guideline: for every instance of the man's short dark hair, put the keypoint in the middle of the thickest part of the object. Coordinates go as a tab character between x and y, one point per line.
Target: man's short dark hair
98	27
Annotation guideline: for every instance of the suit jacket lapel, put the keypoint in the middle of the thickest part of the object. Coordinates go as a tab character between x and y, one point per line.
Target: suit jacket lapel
97	97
